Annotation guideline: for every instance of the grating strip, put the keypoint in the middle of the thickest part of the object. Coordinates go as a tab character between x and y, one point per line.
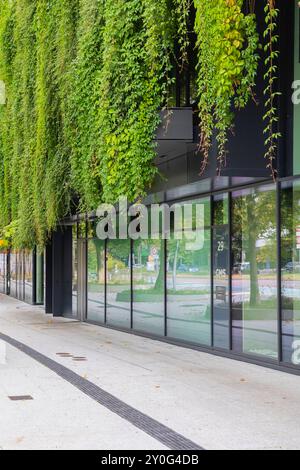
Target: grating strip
145	423
21	398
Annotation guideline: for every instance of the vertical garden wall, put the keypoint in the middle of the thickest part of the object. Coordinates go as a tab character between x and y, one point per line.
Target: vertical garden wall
85	82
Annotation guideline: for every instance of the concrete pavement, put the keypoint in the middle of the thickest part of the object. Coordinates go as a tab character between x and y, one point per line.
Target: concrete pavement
217	403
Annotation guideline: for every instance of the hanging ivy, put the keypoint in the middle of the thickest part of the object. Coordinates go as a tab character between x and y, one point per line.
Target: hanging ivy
137	43
227	43
85	102
182	19
271	93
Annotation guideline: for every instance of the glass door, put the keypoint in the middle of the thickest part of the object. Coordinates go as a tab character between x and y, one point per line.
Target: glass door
221	272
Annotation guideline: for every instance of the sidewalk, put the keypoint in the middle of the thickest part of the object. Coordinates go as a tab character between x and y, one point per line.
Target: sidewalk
217	403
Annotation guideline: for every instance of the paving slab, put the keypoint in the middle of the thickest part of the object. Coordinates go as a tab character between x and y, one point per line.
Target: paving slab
216	402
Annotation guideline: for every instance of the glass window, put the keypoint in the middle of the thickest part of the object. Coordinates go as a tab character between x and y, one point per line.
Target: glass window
254	277
39	288
290	271
189	280
28	259
3	272
221	273
96	281
119	283
20	275
149	286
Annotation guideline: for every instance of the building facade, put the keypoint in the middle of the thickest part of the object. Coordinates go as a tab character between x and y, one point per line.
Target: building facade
237	295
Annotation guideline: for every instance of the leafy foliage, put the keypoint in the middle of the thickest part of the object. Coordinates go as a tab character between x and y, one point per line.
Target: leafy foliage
227	43
271	94
137	43
85	83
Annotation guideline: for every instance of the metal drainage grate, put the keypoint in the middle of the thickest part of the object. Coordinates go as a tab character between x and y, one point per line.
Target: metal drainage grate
21	398
163	434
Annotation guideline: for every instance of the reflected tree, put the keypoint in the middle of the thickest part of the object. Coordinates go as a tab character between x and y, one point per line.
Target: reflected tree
254	221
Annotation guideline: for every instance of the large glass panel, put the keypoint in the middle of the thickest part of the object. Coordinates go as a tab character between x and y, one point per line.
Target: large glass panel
119	283
290	271
148	286
28	258
221	273
189	280
75	272
254	277
96	281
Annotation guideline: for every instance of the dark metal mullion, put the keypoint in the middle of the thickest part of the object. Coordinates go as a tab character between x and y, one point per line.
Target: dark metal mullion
85	281
34	277
24	275
230	267
188	87
165	255
279	298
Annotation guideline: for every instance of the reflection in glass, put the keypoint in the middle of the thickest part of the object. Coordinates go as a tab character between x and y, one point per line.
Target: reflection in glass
13	273
39	288
148	286
96	281
290	270
28	259
254	274
3	272
118	283
221	273
189	280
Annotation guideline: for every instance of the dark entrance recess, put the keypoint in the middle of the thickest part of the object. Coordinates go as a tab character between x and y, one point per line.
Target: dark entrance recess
59	273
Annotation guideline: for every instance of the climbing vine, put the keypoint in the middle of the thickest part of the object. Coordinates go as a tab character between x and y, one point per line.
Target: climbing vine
85	82
85	103
227	43
271	93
